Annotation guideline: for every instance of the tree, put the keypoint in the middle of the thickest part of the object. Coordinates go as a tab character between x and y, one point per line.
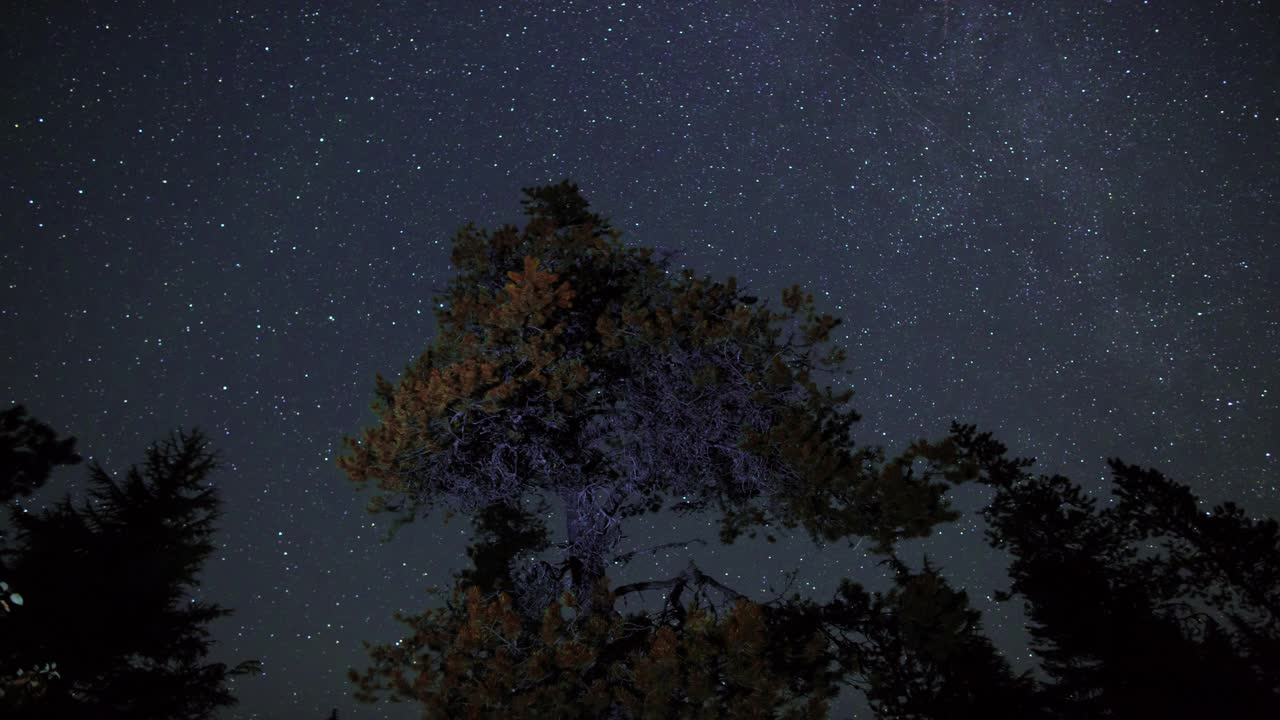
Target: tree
29	450
506	535
1148	607
570	366
132	551
26	684
479	656
917	652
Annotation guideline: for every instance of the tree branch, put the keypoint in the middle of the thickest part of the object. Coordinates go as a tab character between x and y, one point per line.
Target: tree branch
691	573
626	557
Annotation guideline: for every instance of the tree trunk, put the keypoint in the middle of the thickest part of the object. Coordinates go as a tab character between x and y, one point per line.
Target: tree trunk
585	529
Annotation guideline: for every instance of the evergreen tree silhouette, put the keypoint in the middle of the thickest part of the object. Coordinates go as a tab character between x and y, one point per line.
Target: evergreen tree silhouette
505	535
917	651
29	450
111	594
1151	606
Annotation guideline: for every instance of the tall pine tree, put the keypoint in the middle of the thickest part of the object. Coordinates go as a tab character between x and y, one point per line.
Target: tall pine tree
569	367
572	369
110	594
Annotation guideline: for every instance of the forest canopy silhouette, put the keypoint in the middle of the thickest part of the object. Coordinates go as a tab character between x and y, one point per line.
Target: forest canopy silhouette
573	372
570	368
97	620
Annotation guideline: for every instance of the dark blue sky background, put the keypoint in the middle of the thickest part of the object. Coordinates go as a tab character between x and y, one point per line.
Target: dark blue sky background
1057	220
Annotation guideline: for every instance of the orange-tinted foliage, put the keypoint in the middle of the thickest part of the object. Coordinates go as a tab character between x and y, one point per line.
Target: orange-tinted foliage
479	658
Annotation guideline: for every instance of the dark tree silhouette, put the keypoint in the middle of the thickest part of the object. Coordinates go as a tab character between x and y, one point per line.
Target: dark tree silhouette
505	535
1150	606
29	450
109	592
917	651
572	367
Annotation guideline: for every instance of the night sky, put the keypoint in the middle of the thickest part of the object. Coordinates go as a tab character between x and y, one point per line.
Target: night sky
1056	220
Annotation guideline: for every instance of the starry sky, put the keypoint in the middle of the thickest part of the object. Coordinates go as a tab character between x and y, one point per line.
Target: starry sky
1056	220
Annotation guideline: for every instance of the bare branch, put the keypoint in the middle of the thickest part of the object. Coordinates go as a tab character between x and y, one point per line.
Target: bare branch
626	557
690	574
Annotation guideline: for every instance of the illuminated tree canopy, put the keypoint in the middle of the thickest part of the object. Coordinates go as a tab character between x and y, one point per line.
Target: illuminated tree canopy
571	368
570	365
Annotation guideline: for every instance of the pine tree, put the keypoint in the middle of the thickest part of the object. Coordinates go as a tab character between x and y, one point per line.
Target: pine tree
29	450
917	652
110	590
571	367
506	535
1147	607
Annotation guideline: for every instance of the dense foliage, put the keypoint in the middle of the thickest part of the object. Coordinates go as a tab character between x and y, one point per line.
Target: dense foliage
570	367
1151	606
132	552
29	450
